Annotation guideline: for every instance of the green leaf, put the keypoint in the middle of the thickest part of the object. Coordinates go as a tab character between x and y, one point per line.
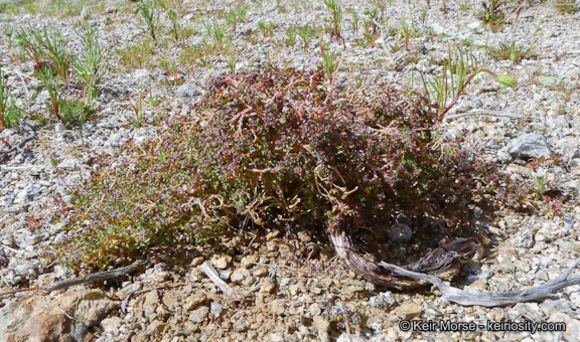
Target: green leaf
12	116
507	81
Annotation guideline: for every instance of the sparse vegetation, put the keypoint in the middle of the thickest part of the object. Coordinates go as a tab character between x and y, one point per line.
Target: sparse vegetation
335	11
89	65
70	111
511	51
492	14
459	69
566	6
46	47
9	114
265	28
149	11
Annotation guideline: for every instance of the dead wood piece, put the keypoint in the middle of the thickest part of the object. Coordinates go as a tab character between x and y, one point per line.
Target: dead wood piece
212	274
491	299
19	145
100	276
442	262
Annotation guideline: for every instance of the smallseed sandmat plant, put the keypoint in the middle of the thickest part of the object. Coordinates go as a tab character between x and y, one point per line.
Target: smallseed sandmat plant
275	148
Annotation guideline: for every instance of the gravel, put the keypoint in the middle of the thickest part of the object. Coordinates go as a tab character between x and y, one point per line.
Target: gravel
538	118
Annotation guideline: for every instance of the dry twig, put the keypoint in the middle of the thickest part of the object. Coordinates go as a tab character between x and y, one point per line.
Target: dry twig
491	299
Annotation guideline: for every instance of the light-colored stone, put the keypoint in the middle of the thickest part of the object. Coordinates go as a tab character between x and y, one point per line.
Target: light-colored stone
195	300
383	300
111	324
572	332
198	315
277	307
242	276
408	311
529	145
156	327
221	261
267	287
321	325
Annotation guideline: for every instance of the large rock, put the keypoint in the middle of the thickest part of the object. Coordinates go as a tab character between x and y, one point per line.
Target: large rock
61	318
533	145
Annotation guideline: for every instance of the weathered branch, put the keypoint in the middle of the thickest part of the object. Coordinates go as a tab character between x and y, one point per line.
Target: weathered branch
442	262
491	299
19	145
212	274
100	276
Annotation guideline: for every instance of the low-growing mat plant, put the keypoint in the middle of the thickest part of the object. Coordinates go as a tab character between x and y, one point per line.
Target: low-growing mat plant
275	148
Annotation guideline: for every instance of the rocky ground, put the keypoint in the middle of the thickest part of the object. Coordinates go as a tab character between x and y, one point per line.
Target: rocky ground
292	288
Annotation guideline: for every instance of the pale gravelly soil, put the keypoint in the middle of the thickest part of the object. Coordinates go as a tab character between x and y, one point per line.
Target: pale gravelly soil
293	286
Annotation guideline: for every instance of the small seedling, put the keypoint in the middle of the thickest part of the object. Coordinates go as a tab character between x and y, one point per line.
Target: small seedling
512	52
150	14
138	109
291	35
305	33
540	182
355	21
8	31
492	14
218	33
46	47
265	28
235	16
9	114
66	111
372	21
335	11
459	70
175	25
424	12
90	63
406	33
381	5
232	65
